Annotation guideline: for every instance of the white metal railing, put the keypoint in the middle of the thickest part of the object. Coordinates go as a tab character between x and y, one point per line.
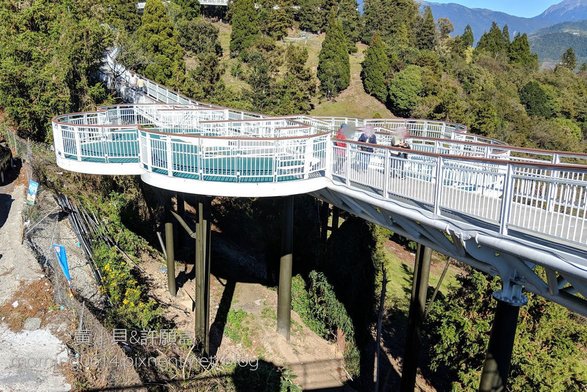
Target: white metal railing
543	192
542	198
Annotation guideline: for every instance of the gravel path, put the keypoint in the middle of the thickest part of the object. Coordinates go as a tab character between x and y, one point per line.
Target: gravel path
29	360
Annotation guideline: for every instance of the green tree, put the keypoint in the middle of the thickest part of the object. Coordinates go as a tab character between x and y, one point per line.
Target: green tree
569	59
245	26
199	36
537	100
204	81
311	16
521	54
298	85
190	9
275	17
546	354
426	31
50	54
348	14
157	37
121	14
387	18
468	38
493	41
405	90
376	68
263	60
333	62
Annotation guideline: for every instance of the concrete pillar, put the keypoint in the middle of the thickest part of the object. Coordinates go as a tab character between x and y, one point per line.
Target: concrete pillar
285	268
499	351
416	318
170	258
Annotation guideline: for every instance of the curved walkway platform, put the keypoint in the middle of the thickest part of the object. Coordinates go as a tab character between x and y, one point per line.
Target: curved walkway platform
501	209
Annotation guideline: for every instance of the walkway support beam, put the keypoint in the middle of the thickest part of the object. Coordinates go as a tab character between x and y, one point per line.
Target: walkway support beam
202	311
416	318
285	268
169	249
499	351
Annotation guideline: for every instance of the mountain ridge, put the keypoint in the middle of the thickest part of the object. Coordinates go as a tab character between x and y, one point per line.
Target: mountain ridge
480	19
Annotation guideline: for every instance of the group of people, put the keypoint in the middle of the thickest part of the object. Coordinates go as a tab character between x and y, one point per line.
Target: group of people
136	83
368	137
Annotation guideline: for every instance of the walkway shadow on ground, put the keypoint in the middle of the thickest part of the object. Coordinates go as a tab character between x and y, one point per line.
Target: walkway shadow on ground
217	327
12	173
5	205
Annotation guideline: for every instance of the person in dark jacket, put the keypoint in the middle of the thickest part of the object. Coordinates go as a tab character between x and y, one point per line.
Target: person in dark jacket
368	136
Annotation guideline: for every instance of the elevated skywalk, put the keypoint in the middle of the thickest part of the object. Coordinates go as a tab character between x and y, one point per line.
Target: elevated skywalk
513	212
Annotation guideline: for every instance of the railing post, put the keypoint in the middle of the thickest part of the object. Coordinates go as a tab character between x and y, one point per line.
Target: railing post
78	146
506	201
386	172
347	152
552	187
439	185
328	154
149	152
308	153
169	156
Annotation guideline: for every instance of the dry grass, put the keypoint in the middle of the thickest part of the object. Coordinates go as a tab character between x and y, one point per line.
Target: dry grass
34	300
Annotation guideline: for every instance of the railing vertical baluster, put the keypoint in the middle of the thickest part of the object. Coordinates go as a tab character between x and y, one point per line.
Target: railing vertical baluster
439	185
169	147
386	172
506	201
78	146
347	152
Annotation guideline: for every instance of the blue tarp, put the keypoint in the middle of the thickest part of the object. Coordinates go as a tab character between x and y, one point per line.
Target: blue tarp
62	257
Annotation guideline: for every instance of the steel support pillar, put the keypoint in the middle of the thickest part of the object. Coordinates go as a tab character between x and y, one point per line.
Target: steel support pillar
335	218
170	258
324	215
416	318
285	268
499	351
202	311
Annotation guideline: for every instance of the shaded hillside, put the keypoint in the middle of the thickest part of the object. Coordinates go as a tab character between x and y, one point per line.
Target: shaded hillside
550	43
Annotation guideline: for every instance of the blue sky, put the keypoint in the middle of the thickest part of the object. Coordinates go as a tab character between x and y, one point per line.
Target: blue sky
526	8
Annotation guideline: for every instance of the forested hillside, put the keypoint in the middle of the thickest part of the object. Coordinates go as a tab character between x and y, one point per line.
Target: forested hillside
551	43
321	56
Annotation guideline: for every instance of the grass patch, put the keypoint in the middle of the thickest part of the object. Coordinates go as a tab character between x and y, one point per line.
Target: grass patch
238	327
354	101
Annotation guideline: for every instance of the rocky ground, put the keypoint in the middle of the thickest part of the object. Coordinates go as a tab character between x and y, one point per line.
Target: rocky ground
31	354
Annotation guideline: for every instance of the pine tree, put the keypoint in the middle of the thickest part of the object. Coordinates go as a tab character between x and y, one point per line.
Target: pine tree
275	17
157	37
376	68
387	18
506	36
426	31
311	16
190	9
468	38
569	59
348	14
405	90
333	62
493	41
298	85
245	26
521	54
